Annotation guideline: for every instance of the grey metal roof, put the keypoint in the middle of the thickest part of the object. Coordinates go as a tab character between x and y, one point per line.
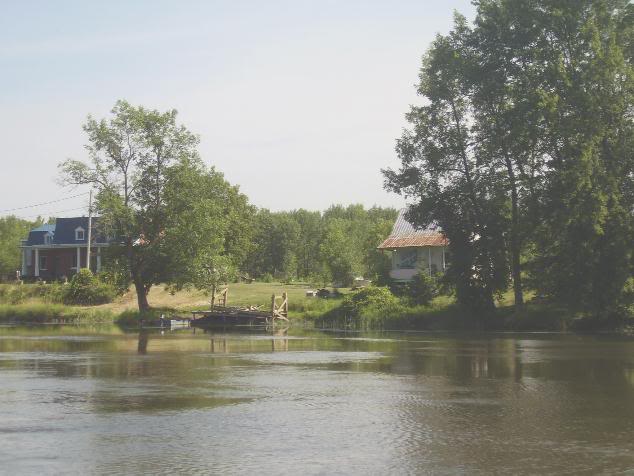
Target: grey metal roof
402	228
406	235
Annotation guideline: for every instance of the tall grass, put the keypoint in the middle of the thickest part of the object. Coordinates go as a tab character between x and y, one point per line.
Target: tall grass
312	308
43	312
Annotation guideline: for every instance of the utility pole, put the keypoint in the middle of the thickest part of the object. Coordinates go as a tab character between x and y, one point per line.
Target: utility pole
89	231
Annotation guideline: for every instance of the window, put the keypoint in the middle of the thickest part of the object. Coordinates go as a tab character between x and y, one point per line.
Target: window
47	239
74	260
408	259
43	262
79	234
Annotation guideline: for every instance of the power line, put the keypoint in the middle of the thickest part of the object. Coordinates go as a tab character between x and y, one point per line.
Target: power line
51	214
44	203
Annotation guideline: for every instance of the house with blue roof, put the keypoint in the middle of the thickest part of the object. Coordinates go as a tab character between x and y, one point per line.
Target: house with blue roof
59	250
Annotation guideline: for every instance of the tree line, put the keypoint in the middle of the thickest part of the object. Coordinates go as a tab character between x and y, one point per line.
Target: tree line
522	152
179	223
330	247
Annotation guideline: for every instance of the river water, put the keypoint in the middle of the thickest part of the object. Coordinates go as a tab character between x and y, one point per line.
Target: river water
77	400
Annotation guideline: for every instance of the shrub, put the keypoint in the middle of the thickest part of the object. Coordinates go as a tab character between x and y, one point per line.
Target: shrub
117	278
17	295
86	289
421	289
380	300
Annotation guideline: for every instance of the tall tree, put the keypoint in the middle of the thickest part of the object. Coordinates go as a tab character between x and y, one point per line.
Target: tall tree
584	247
525	144
443	169
170	214
341	257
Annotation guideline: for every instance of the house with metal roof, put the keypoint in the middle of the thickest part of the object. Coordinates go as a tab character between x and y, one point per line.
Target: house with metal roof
55	251
415	250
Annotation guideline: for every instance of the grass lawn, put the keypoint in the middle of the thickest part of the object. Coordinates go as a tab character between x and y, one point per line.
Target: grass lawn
240	294
35	306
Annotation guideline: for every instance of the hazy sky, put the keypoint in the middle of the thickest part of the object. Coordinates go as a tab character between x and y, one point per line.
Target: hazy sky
298	102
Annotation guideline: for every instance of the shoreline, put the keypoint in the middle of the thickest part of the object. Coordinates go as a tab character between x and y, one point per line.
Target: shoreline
31	315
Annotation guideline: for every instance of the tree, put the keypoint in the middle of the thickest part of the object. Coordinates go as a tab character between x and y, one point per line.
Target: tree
443	169
584	249
275	240
307	246
172	217
377	264
525	147
339	254
296	244
12	230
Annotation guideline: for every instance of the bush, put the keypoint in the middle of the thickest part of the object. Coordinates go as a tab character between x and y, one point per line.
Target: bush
380	300
86	289
421	289
117	278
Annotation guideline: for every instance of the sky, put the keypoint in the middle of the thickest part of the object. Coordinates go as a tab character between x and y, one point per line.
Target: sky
298	102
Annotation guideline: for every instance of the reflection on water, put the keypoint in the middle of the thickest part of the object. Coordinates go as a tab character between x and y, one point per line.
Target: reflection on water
80	400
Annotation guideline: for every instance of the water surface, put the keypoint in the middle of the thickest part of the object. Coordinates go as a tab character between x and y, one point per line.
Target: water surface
100	401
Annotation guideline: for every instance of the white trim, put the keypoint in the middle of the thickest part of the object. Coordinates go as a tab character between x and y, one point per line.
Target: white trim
65	245
37	263
83	234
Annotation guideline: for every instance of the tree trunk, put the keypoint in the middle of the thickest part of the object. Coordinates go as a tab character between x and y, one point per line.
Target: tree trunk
141	295
516	270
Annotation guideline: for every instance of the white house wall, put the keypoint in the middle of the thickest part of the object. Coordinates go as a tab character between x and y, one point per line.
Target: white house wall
423	256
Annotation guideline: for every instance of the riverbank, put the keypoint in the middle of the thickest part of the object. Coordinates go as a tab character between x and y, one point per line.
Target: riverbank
35	303
443	314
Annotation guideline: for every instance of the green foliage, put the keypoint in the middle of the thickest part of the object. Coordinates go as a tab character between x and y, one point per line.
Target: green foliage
340	255
12	230
21	293
422	289
337	245
85	289
375	299
45	312
115	272
523	148
175	218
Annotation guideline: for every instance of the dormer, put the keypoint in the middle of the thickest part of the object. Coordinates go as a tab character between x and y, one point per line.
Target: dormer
48	238
80	234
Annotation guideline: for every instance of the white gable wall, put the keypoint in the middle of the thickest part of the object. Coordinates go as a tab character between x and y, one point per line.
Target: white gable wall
407	262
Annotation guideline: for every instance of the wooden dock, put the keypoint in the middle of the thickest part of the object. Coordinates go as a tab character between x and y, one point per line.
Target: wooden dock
223	315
